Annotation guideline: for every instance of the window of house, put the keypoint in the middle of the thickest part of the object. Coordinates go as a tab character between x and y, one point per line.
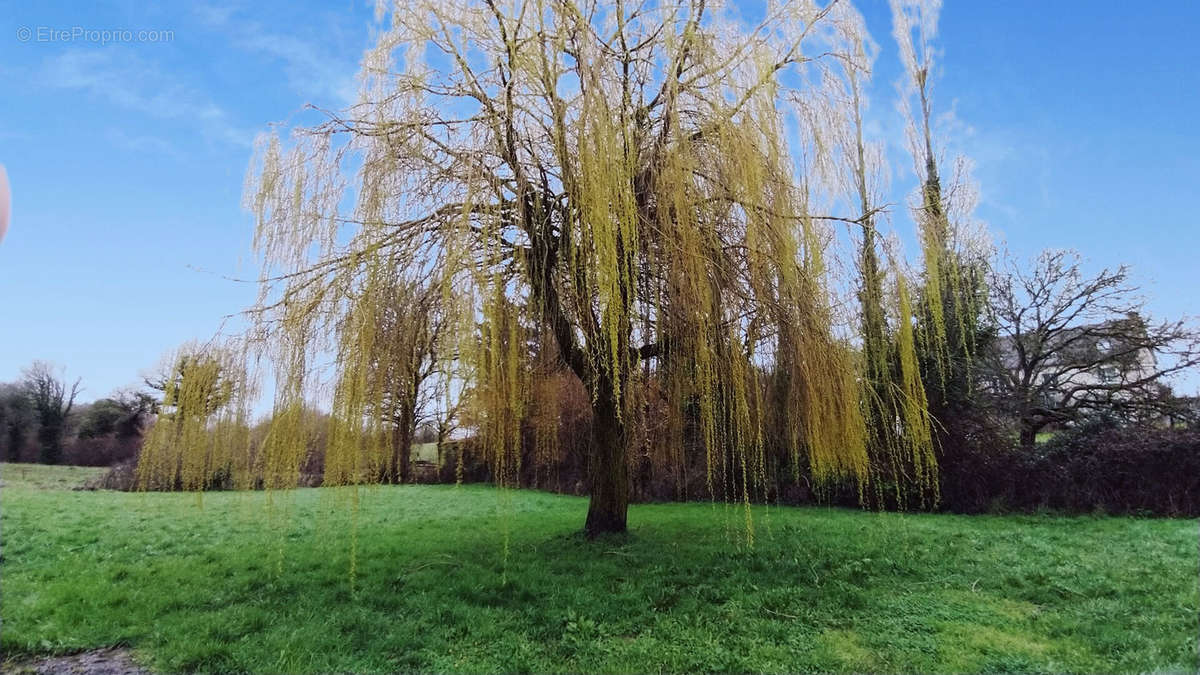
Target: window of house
1108	374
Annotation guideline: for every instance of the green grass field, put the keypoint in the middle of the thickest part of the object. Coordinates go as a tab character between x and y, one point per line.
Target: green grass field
240	584
46	477
424	452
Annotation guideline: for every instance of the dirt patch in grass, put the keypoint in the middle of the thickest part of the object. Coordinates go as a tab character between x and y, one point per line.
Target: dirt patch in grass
111	661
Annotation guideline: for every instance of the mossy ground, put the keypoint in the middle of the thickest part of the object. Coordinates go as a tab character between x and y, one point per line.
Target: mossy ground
237	583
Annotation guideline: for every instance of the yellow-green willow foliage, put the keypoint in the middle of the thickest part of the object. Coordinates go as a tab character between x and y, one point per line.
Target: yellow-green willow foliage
386	352
951	295
893	403
912	406
201	432
628	189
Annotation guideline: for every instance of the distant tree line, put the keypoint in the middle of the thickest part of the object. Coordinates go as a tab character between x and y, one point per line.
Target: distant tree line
41	420
1052	351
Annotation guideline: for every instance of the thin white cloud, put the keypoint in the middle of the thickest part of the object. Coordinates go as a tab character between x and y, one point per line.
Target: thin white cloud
120	77
327	77
141	143
308	72
213	14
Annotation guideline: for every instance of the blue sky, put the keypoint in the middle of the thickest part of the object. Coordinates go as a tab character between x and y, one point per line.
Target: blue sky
127	159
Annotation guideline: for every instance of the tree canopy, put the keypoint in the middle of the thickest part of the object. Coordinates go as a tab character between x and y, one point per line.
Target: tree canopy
1075	345
645	193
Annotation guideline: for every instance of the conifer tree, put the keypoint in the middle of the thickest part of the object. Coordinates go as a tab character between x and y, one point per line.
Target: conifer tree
952	291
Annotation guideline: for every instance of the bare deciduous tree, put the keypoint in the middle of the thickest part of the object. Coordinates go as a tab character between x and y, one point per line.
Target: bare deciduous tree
52	402
1072	344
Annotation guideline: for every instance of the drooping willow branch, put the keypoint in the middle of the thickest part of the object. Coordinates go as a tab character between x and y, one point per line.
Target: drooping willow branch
614	188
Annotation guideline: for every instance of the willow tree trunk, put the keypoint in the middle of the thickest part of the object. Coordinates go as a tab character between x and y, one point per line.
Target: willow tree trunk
609	468
400	470
608	465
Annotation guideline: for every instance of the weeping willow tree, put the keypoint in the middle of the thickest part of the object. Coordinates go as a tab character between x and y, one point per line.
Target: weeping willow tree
952	290
634	188
407	342
201	427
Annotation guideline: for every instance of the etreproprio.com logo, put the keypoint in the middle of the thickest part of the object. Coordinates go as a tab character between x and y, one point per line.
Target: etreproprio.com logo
93	35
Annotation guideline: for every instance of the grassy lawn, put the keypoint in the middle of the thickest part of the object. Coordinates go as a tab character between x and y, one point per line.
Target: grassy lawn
46	477
240	584
424	452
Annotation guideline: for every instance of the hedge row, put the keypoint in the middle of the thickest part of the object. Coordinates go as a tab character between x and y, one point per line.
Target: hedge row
1096	468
